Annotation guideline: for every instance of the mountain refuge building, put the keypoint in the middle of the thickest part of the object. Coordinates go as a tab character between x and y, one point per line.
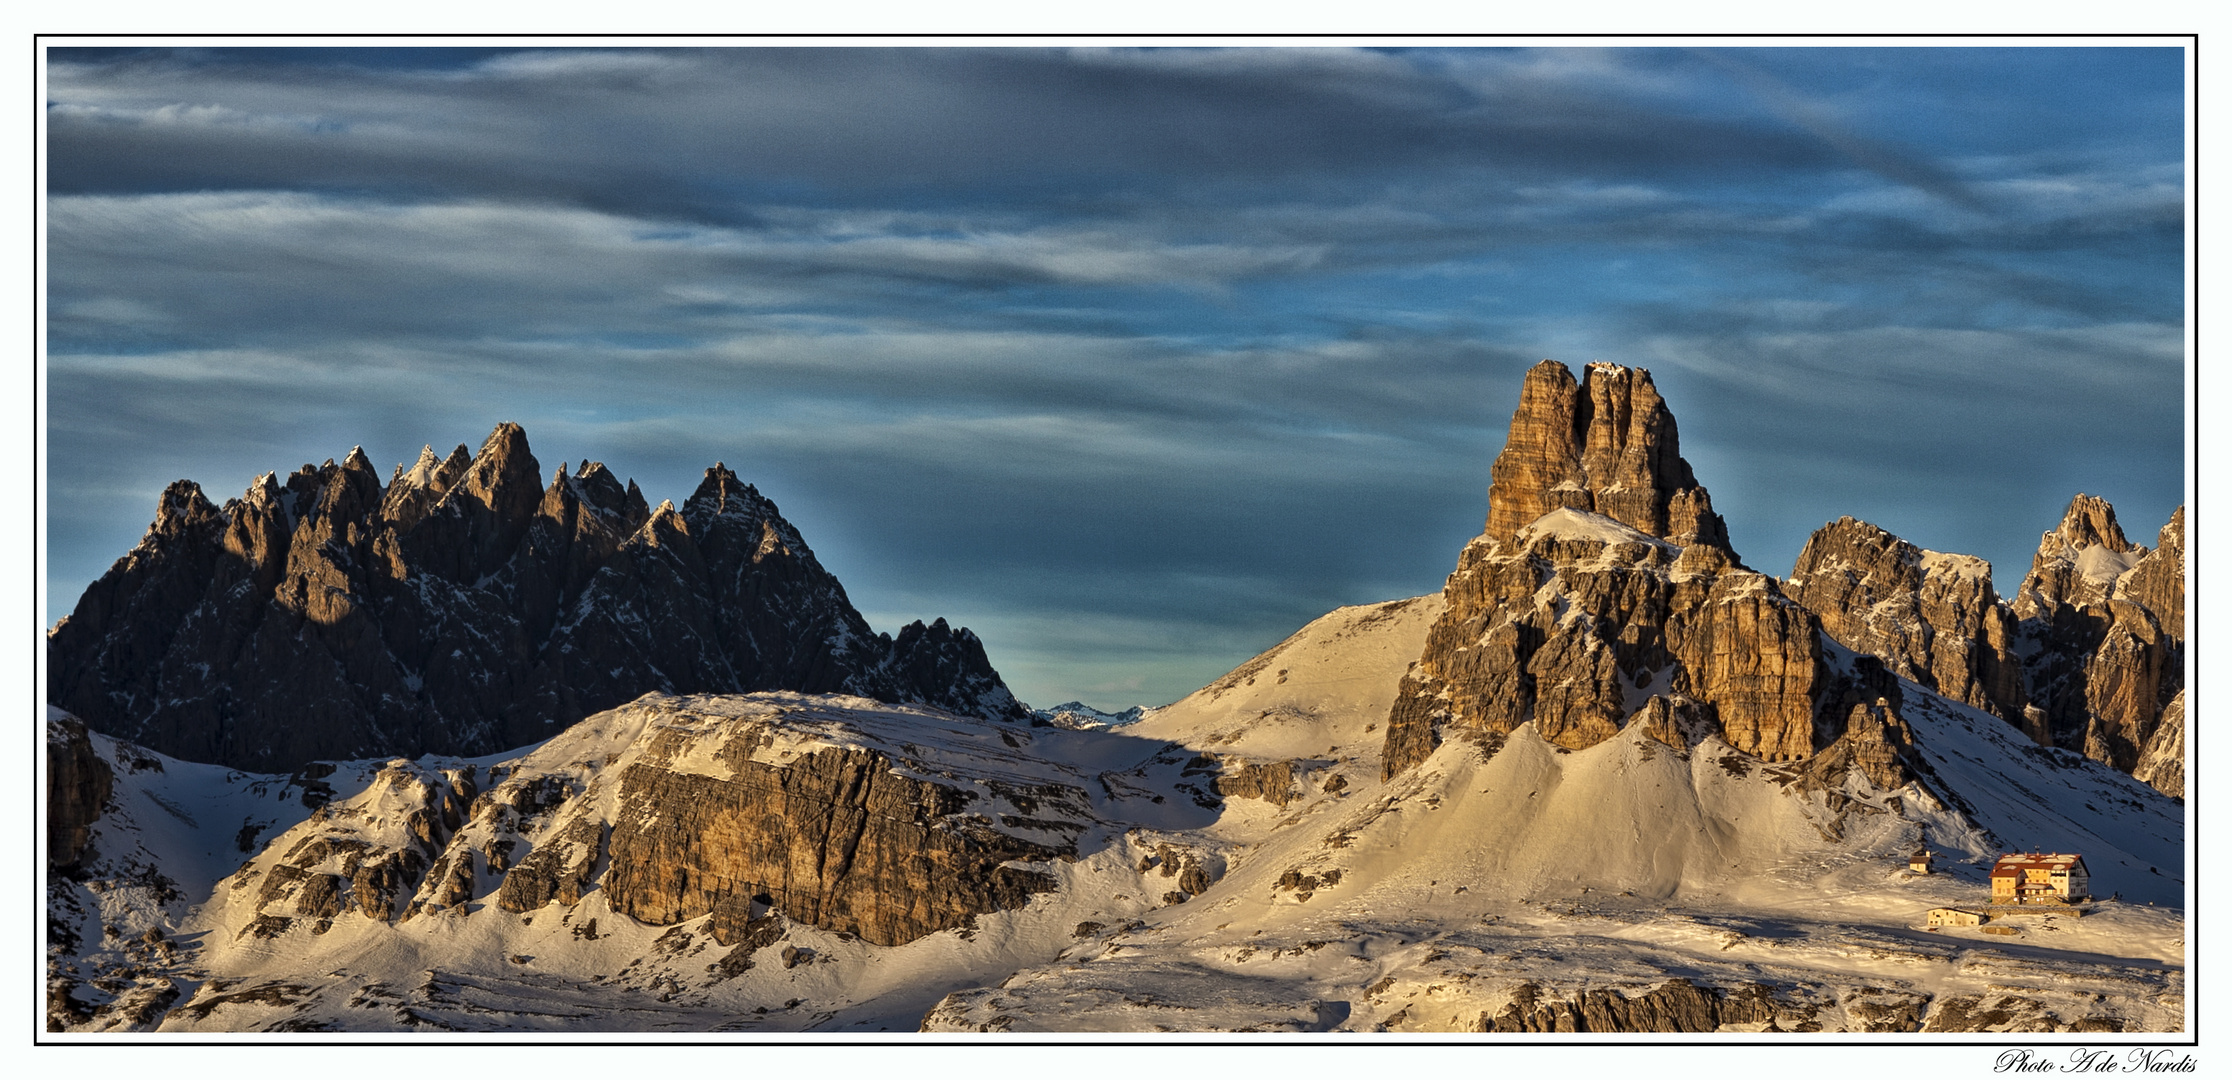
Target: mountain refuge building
2040	879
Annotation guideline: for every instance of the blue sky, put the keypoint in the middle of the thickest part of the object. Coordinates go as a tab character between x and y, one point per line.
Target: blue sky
1131	360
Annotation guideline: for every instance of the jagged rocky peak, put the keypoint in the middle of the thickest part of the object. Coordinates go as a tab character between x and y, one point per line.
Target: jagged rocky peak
1933	617
739	514
2089	656
503	466
411	494
182	508
466	607
2156	582
591	506
595	487
1604	593
2078	561
1606	444
721	492
2106	622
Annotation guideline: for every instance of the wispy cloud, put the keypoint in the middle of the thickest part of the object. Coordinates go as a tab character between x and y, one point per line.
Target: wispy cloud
1135	356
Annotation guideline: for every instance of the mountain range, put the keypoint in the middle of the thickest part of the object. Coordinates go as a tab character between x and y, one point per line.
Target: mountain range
467	607
664	778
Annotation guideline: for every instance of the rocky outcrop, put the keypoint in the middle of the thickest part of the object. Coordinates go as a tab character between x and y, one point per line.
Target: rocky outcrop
2004	1012
1606	444
1604	581
2162	766
1932	617
2088	657
1271	781
464	607
834	838
1676	1005
2105	619
78	785
833	812
369	855
1877	743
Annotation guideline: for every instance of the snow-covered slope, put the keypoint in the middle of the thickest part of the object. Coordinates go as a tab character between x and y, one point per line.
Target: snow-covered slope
1477	894
413	931
1514	892
1077	714
1325	690
1228	862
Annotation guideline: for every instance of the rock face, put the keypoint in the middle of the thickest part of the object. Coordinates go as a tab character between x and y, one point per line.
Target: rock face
1677	1005
1932	617
1606	444
838	813
2089	656
467	607
2162	766
78	783
369	855
1604	582
2106	619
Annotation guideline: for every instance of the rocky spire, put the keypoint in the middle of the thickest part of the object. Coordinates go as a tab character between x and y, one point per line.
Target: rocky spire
1606	444
1603	593
411	495
2077	561
504	476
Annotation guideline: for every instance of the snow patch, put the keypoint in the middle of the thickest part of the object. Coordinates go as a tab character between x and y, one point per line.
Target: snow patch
2102	566
1958	566
1567	523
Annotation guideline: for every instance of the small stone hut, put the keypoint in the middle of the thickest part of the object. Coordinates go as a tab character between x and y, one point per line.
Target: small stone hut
1945	916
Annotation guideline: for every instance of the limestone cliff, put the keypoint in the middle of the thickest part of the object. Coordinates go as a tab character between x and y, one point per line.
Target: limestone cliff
2162	766
2088	657
465	607
882	822
1932	617
1603	582
78	783
2105	619
1606	444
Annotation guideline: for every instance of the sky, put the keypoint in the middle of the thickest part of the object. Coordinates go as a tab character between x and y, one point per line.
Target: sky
1131	360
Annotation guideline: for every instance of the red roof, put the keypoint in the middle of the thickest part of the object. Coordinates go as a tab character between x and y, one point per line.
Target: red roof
2014	865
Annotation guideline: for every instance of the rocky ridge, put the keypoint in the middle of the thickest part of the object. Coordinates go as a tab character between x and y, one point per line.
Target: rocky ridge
2089	656
841	813
465	607
1931	617
1603	592
2107	617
